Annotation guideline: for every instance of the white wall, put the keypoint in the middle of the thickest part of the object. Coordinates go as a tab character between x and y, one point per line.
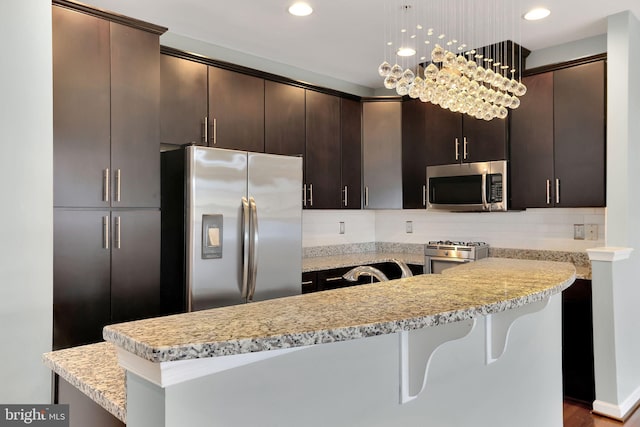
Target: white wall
550	229
568	51
220	53
26	253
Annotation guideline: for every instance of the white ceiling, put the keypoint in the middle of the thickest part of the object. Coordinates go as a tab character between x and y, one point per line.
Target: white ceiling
344	39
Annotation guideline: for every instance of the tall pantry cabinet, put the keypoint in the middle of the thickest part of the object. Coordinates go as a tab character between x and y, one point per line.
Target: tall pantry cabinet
106	80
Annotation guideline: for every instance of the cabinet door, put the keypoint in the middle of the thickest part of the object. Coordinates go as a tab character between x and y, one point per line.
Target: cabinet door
579	117
135	108
382	154
81	109
351	154
135	265
322	162
309	282
284	129
81	278
236	110
414	154
485	140
531	164
183	101
444	139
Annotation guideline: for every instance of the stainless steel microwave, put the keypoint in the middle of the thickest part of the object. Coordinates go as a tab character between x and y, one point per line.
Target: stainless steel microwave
468	187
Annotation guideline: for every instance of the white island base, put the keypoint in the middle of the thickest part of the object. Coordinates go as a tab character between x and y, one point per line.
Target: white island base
503	369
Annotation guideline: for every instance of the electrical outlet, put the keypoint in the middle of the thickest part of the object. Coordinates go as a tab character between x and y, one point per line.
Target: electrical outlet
578	231
591	231
341	227
409	226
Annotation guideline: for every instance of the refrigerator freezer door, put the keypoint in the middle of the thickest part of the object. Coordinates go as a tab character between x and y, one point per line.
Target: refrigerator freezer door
216	184
274	184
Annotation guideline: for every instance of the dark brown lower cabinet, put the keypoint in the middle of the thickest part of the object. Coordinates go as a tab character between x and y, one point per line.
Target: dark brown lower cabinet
577	342
106	270
324	280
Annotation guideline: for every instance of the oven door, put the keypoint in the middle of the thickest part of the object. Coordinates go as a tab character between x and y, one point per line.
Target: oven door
435	265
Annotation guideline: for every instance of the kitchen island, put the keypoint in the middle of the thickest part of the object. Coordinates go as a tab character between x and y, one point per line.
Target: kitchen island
477	345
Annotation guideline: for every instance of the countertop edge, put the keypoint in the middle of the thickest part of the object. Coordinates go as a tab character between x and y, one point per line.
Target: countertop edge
322	336
97	394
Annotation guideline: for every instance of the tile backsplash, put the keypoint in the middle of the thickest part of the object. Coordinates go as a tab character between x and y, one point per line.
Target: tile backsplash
550	229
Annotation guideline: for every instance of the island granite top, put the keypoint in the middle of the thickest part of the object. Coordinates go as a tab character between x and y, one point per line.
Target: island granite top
487	286
93	369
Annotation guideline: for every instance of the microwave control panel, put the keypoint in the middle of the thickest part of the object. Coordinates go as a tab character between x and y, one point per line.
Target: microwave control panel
495	187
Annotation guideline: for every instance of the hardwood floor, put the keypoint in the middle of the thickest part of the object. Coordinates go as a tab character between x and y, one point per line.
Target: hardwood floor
579	415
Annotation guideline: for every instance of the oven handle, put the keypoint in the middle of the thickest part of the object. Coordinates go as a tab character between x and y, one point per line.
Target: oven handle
485	205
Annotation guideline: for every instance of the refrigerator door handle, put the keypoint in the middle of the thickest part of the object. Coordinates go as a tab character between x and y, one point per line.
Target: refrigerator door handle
246	218
253	257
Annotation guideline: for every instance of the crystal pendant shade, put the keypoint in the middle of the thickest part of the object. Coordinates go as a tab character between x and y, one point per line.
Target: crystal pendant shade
478	82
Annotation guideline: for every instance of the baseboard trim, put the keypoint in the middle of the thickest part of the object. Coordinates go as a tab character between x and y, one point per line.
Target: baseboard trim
618	412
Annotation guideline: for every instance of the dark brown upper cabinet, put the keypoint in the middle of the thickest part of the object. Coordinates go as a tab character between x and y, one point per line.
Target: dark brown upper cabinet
284	131
106	79
579	110
532	145
236	111
183	101
414	153
351	159
558	139
81	109
460	138
322	163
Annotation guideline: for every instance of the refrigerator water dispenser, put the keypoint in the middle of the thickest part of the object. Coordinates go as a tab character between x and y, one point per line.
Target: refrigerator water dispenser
211	236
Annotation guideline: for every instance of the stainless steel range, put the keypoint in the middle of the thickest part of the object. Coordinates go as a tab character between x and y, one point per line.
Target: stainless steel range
440	255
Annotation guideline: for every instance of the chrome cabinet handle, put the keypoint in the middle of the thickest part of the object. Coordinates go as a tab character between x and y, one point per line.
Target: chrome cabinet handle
205	133
118	181
117	236
245	247
304	195
333	279
346	195
105	232
557	190
366	196
253	255
548	191
215	131
308	282
311	195
457	149
464	147
105	185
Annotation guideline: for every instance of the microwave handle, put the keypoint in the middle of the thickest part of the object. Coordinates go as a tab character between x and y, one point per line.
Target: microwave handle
485	205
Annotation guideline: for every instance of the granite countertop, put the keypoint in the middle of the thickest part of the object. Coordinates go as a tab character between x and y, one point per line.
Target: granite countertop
329	257
487	286
94	370
355	259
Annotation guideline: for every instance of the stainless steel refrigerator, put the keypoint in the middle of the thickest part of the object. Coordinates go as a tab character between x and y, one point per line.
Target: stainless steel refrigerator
231	227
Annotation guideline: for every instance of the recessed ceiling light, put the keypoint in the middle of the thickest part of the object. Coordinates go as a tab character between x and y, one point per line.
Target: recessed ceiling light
537	13
406	51
300	9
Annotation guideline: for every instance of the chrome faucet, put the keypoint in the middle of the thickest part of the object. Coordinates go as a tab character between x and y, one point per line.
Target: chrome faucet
365	270
406	271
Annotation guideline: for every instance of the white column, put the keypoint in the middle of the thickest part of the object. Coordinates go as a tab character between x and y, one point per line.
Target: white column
615	332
